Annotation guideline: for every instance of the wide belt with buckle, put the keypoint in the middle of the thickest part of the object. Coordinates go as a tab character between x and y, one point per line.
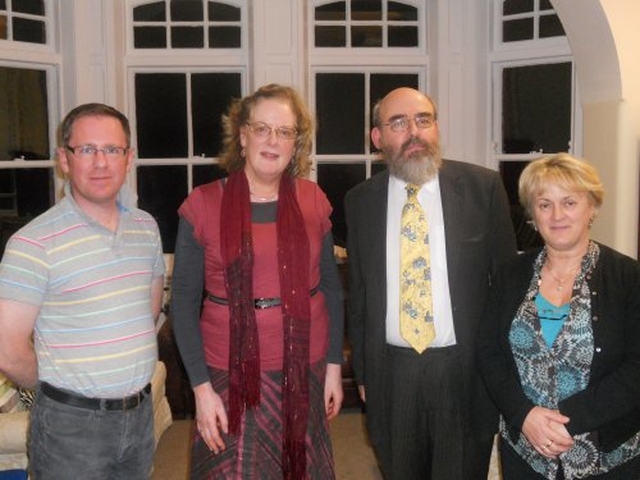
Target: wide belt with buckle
71	399
259	303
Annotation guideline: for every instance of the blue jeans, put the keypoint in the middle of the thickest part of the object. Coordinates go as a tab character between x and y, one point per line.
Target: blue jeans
68	442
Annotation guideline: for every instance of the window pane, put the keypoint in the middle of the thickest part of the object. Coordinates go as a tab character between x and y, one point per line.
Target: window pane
153	12
401	12
545	5
32	31
25	192
186	10
212	93
3	4
536	108
330	36
3	27
34	7
340	111
517	30
161	113
225	37
550	26
207	173
377	166
403	36
526	236
332	11
187	37
366	10
510	7
161	191
366	36
150	37
219	12
24	122
336	179
9	224
35	190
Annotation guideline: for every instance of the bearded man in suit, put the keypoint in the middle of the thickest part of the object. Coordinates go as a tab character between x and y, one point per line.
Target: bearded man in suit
428	414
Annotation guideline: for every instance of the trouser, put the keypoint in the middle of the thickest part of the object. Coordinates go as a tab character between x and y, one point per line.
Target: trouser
429	429
68	442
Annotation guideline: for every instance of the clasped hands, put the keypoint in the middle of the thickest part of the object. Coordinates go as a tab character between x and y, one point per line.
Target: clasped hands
546	432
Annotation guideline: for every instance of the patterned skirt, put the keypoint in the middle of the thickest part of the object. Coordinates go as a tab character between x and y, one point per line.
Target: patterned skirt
256	452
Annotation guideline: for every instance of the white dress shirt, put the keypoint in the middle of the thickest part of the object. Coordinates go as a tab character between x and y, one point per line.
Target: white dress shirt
429	197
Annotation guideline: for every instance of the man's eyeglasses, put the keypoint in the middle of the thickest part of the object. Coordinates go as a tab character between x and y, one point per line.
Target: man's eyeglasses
90	151
401	124
262	130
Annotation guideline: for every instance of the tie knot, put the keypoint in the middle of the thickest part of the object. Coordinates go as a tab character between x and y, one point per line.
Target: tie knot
412	191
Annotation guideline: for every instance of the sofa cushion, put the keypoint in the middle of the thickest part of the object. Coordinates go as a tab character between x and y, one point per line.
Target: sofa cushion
161	412
9	397
13	432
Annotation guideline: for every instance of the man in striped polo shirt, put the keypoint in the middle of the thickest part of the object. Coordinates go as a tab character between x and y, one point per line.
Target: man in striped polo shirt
80	289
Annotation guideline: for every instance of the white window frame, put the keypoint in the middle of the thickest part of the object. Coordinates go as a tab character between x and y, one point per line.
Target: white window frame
523	45
45	57
367	61
368	156
518	54
184	61
193	159
12	49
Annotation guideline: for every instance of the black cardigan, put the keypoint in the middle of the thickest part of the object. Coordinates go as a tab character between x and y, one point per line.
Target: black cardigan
610	405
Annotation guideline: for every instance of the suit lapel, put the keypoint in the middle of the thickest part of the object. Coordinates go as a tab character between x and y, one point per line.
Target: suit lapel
453	218
377	215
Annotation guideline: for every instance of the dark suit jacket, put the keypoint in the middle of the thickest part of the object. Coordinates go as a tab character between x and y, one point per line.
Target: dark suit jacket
610	405
479	237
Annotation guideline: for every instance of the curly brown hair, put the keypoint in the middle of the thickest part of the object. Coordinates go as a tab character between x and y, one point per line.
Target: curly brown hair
239	114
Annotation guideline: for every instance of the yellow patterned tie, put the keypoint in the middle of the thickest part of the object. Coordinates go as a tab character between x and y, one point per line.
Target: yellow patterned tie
416	308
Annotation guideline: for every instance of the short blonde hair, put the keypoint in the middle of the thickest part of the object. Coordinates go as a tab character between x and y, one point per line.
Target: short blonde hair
239	113
563	170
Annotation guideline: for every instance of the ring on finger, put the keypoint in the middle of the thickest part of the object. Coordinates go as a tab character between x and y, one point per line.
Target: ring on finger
548	444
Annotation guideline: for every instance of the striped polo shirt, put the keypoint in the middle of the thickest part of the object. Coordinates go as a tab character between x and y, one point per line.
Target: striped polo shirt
95	333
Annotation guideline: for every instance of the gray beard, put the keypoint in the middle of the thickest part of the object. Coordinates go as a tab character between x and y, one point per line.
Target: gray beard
416	168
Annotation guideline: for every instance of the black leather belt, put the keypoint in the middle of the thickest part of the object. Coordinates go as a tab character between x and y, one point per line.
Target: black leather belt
126	403
259	303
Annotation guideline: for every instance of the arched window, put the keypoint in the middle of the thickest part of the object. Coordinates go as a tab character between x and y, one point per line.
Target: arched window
366	24
191	24
25	21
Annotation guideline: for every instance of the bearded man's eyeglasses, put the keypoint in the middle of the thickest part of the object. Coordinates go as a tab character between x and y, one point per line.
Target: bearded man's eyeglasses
401	124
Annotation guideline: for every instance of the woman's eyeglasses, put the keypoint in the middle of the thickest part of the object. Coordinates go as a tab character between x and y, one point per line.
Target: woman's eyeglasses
263	130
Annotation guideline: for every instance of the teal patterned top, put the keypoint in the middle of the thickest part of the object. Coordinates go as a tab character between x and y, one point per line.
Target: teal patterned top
552	371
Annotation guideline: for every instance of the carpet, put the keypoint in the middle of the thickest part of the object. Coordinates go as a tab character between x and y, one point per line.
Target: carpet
354	458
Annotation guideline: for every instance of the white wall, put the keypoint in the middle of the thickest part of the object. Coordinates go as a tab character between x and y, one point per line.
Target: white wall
604	39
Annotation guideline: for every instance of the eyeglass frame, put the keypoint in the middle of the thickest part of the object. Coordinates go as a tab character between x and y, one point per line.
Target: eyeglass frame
272	128
398	121
115	152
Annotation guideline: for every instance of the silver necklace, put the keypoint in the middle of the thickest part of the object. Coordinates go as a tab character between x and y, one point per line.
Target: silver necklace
264	199
560	281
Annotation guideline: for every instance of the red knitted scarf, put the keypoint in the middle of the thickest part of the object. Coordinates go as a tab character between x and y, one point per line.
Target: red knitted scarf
244	354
